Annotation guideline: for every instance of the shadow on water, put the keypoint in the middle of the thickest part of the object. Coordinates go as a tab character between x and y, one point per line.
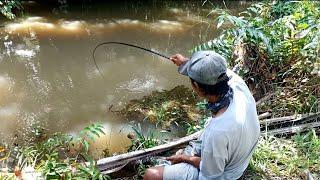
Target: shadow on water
47	75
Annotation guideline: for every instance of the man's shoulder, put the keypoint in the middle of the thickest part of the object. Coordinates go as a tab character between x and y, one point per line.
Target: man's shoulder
242	93
234	78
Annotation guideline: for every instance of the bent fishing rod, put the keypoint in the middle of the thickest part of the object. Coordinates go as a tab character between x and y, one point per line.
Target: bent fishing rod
125	44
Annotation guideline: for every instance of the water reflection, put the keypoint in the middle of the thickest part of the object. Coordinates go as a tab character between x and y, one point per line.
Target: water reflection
40	25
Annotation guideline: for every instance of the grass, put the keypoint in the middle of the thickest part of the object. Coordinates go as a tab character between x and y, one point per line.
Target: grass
286	158
140	141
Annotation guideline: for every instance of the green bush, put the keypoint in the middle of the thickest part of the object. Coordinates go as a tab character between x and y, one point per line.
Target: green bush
275	47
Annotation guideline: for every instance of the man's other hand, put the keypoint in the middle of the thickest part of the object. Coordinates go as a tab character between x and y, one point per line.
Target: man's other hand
178	59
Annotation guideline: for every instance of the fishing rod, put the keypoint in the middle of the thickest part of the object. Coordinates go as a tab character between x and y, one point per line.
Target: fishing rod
125	44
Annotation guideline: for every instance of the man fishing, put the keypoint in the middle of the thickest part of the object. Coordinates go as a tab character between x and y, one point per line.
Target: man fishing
224	149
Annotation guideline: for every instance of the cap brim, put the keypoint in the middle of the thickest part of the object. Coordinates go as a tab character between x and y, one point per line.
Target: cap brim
183	68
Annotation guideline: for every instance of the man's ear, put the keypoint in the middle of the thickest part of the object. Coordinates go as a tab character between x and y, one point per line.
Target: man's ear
196	86
198	89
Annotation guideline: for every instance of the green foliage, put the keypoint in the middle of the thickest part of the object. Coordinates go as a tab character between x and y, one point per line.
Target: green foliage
141	141
281	158
196	126
33	153
202	105
90	171
142	167
167	113
275	47
309	145
7	7
90	132
53	169
61	156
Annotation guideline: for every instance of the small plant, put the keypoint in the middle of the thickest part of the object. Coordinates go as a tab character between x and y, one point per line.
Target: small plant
140	141
89	171
52	169
192	127
90	132
141	169
64	170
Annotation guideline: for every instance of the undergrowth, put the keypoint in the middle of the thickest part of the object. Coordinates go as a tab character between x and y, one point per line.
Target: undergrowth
58	156
287	158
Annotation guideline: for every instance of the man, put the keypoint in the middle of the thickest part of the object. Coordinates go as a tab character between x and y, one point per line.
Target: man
230	135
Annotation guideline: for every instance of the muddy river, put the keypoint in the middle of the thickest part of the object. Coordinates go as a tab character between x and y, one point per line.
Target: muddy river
48	78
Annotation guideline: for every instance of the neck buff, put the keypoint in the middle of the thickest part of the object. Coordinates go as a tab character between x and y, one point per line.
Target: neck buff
223	101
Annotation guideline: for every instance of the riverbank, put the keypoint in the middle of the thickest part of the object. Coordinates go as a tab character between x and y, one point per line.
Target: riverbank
60	155
166	108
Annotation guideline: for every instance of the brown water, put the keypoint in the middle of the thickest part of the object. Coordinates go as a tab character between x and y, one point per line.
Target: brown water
47	76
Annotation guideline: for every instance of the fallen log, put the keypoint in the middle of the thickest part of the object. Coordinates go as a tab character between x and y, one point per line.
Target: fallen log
283	124
112	164
293	129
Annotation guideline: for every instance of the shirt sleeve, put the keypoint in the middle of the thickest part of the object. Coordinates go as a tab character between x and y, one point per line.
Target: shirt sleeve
214	155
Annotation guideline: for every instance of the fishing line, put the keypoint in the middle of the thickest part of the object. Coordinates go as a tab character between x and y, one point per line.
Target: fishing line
125	44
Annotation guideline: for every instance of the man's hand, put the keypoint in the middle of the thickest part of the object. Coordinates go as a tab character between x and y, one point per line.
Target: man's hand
175	159
178	59
179	152
193	160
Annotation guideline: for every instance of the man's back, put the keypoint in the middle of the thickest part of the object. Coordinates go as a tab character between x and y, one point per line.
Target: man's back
229	139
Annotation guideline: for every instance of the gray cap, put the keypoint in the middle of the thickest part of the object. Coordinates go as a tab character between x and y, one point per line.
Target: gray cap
206	67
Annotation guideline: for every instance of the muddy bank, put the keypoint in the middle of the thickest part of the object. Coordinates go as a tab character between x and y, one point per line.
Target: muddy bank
165	108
